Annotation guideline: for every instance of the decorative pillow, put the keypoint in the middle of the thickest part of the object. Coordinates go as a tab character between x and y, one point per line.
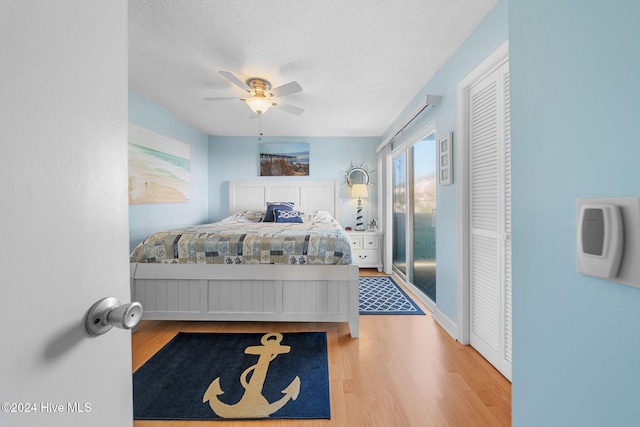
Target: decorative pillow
318	216
288	216
272	206
244	217
253	216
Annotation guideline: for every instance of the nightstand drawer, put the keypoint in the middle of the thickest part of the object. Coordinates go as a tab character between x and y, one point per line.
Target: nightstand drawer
366	258
356	242
370	242
365	242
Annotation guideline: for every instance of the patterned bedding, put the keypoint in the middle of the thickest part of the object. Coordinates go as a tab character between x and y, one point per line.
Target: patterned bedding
239	239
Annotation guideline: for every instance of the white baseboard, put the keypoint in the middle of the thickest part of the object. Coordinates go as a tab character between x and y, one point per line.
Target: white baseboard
446	323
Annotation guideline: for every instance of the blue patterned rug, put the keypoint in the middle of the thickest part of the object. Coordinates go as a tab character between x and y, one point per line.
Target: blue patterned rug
381	295
212	376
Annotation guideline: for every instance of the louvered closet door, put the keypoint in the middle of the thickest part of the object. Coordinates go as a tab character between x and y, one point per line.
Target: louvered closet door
490	205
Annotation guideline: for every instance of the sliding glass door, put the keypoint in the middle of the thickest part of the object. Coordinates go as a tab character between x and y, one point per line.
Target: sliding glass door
400	212
424	216
414	214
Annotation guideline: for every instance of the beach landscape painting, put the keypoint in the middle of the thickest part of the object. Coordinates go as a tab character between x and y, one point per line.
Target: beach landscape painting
159	168
284	159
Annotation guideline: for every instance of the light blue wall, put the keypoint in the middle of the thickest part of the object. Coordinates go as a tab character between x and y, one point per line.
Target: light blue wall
232	158
215	160
575	109
145	219
486	38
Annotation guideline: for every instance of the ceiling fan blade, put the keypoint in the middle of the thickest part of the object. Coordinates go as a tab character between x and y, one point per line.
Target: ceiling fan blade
286	89
222	98
288	108
236	81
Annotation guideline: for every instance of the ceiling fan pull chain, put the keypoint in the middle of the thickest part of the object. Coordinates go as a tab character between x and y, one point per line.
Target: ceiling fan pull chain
260	126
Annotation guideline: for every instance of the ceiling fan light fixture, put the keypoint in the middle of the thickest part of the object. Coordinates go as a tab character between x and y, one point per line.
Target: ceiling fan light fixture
258	104
261	97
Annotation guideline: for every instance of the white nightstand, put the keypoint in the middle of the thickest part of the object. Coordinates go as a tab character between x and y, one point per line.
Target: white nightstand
366	248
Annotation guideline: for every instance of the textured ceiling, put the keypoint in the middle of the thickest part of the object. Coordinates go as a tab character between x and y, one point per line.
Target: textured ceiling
360	63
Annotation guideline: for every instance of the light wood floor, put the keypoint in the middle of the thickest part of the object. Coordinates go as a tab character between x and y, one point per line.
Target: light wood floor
402	371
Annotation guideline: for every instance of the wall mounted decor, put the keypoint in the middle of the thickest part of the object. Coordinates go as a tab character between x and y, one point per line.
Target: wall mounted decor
159	168
284	159
357	175
445	159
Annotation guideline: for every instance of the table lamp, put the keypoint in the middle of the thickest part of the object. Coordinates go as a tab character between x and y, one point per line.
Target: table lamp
359	191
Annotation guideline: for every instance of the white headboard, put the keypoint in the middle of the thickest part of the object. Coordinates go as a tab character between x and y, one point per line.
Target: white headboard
307	195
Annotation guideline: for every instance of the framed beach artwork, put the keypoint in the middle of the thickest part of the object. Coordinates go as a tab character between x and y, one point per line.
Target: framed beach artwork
159	168
284	159
445	162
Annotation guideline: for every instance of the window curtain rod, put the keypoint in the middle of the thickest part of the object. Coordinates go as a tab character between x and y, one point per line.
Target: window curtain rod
431	100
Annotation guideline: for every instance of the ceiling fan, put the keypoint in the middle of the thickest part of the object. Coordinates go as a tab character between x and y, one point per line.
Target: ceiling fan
262	95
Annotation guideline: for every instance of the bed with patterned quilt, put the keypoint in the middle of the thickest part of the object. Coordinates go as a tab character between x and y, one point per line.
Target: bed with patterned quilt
280	255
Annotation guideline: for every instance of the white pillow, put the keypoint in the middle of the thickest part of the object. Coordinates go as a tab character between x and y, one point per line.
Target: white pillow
318	216
245	217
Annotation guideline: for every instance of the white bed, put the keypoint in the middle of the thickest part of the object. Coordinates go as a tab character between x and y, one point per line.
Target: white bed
288	293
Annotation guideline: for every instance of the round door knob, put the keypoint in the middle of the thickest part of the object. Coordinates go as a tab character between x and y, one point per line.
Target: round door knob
126	316
107	313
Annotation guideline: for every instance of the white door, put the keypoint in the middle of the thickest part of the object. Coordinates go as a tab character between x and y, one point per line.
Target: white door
63	214
490	218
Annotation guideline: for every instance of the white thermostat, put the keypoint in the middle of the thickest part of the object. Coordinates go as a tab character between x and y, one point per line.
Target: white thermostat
600	240
608	238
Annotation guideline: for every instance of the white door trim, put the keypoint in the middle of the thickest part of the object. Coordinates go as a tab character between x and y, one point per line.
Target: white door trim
462	166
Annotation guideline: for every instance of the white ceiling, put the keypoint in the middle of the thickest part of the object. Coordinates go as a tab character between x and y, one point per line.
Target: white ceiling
360	63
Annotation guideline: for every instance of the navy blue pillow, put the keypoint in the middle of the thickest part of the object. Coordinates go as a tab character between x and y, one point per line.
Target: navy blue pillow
272	206
288	216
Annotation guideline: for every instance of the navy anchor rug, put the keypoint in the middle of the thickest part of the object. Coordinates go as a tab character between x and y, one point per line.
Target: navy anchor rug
214	376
